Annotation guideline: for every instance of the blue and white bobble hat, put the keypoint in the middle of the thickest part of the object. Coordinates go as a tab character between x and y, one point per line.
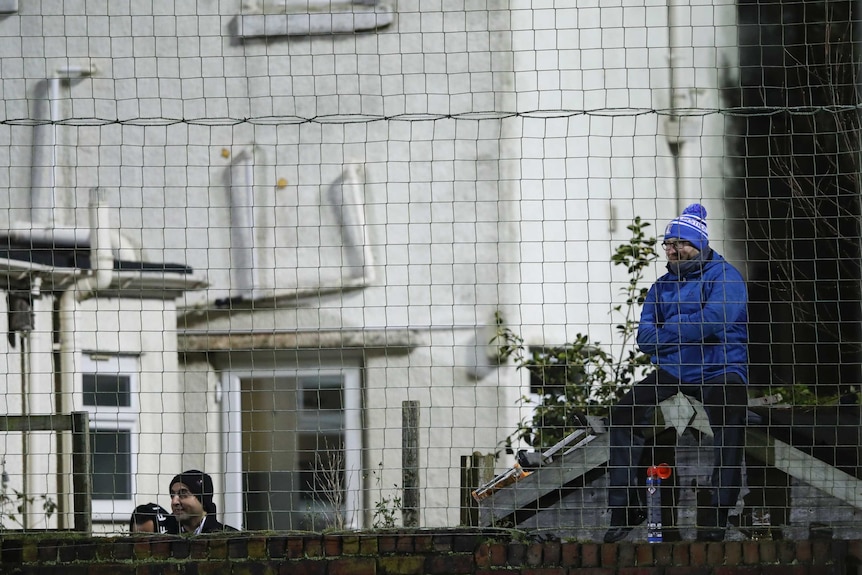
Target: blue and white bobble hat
690	226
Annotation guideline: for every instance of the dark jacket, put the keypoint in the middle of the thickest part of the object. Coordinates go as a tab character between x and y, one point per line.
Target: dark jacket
695	327
212	525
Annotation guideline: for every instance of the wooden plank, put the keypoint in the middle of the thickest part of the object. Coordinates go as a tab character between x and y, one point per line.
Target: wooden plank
804	467
82	478
51	422
78	423
410	463
544	480
680	411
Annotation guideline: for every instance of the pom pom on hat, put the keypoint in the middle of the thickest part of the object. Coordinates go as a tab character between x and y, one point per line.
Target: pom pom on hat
690	226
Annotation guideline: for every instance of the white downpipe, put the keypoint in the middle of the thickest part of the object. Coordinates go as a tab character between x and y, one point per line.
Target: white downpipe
44	162
31	402
347	197
43	175
29	483
99	278
684	131
243	252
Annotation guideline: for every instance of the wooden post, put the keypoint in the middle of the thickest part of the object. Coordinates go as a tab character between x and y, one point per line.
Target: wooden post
410	463
78	423
476	470
81	477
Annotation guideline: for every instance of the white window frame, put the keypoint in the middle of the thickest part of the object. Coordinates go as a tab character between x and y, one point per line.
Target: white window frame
114	419
231	413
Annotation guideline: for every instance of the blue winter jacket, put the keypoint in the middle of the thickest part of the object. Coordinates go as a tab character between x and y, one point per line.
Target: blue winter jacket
695	327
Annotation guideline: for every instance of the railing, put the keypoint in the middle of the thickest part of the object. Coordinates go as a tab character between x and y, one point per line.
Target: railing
78	423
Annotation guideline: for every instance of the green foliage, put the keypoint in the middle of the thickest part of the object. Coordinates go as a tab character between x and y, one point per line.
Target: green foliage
387	507
582	377
800	394
12	502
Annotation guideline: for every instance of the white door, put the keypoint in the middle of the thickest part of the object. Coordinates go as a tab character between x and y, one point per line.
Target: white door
293	442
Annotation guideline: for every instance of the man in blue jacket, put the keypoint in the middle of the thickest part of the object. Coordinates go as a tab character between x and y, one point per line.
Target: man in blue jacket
694	327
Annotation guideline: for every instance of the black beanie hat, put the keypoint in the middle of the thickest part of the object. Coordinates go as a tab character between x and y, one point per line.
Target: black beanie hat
163	521
200	485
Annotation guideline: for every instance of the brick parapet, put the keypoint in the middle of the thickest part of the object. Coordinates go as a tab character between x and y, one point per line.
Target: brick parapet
412	552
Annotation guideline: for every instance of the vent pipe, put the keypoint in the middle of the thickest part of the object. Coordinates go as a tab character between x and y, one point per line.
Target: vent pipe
243	254
43	175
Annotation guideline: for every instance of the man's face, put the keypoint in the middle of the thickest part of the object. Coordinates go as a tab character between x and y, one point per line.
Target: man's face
184	505
678	250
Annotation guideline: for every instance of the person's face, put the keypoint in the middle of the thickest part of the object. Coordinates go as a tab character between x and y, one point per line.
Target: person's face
678	250
148	526
184	505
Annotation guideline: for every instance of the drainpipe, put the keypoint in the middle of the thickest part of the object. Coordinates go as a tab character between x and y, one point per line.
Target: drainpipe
97	279
23	326
346	196
43	175
679	127
243	254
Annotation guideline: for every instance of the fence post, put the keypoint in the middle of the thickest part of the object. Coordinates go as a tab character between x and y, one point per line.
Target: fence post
410	463
477	469
81	479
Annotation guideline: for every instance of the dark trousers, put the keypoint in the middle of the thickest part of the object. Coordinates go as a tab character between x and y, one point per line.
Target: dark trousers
725	401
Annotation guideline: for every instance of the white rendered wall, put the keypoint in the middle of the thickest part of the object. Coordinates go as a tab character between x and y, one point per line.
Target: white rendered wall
584	178
463	217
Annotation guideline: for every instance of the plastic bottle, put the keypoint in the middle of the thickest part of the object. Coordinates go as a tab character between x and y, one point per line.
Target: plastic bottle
655	473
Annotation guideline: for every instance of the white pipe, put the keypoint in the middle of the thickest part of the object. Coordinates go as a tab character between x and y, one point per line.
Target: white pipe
101	254
123	248
347	198
682	81
243	254
43	175
71	237
99	278
28	390
26	437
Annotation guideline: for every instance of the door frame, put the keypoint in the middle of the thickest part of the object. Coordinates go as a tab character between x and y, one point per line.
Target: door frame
231	436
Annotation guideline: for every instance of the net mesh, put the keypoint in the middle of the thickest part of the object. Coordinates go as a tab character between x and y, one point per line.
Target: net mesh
365	263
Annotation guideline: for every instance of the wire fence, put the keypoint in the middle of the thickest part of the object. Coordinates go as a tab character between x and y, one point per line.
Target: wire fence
369	264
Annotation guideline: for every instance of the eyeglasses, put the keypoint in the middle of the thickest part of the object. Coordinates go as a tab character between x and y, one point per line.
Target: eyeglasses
675	244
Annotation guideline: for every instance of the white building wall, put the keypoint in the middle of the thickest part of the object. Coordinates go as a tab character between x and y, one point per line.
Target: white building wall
145	330
463	215
615	71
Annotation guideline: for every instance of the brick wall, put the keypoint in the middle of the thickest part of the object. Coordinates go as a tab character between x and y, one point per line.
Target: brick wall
417	552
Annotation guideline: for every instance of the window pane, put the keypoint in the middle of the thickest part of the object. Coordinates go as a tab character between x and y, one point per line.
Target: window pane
323	393
107	390
321	465
294	455
111	460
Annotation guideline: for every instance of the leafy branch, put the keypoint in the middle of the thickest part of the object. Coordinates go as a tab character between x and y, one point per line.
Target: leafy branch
13	502
582	377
